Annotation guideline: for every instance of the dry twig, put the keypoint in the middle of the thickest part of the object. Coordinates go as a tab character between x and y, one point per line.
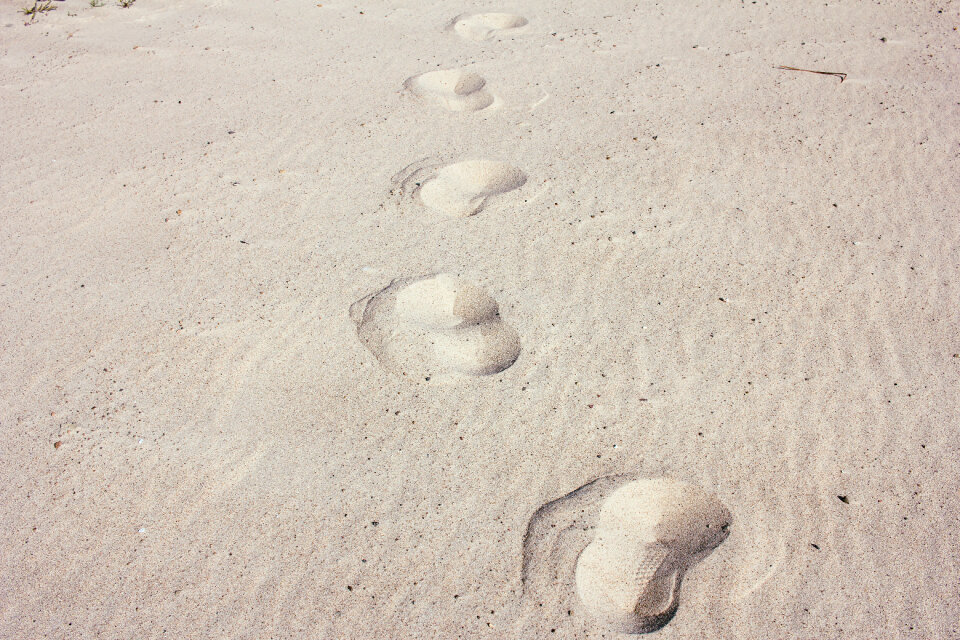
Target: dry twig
839	74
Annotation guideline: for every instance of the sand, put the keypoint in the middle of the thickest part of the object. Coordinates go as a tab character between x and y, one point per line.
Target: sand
720	273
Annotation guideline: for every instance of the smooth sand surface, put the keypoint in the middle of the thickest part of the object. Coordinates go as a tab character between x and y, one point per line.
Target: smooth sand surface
730	275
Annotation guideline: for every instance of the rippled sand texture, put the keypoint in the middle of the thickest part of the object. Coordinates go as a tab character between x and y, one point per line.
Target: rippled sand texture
619	240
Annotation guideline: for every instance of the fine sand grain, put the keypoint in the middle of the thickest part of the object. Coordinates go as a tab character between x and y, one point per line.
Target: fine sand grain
659	274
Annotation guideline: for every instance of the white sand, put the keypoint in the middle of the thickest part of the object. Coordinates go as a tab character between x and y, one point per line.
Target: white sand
720	272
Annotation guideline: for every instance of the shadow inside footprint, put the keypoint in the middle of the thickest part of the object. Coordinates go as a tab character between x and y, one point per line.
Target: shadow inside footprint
454	89
484	26
436	328
626	563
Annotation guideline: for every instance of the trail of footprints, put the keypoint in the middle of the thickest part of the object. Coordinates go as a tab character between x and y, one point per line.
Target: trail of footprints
619	545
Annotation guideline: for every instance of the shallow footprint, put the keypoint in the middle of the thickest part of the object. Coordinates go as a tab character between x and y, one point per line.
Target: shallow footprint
483	26
462	189
454	89
436	328
649	532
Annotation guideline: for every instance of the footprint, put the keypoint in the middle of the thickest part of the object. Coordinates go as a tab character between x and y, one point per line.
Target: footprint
483	26
556	534
461	189
455	89
436	328
648	533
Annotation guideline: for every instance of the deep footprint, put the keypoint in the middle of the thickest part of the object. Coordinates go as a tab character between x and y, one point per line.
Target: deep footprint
647	535
435	328
484	26
461	189
454	89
